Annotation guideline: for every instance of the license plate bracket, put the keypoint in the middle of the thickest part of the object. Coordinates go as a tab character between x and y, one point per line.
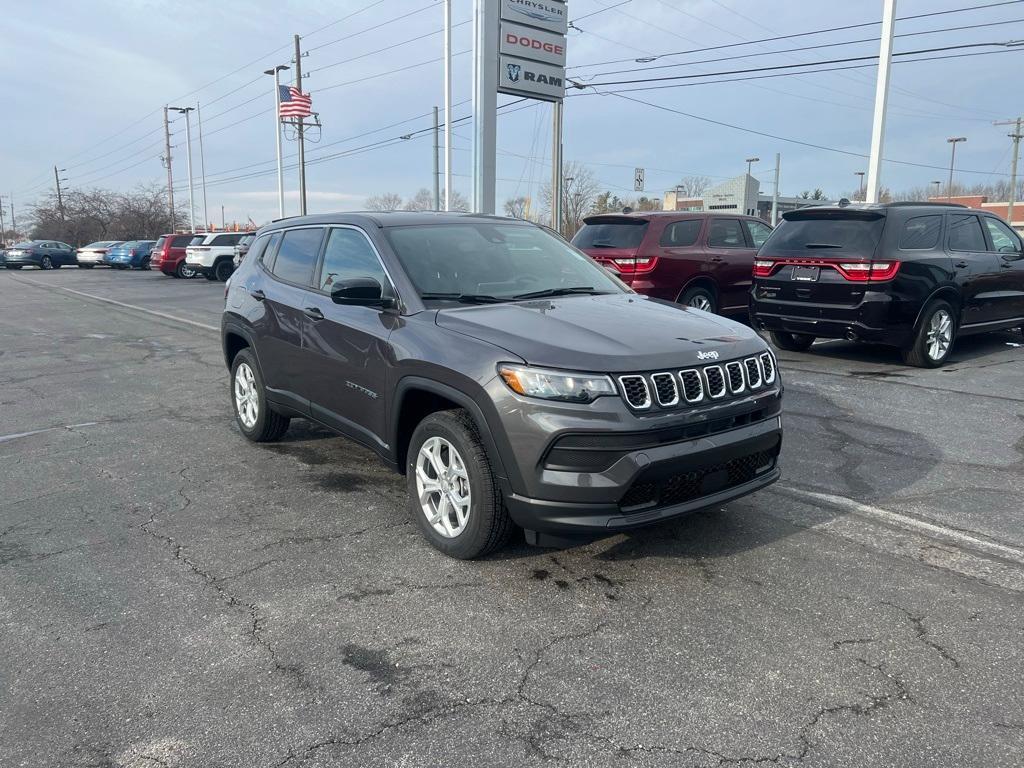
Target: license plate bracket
806	274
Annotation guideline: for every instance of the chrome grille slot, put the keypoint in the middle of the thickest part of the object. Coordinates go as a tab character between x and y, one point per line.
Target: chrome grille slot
714	377
734	371
665	389
636	392
693	387
768	367
753	372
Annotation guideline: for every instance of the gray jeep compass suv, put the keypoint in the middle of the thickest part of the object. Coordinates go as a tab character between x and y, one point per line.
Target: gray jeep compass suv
506	375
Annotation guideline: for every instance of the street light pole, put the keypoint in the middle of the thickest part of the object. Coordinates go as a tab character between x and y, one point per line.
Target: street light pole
276	72
447	105
938	188
952	160
860	196
188	158
881	100
202	167
750	162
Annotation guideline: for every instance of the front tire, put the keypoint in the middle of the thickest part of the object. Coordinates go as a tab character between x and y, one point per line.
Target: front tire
223	269
46	263
700	298
453	495
791	342
934	338
253	415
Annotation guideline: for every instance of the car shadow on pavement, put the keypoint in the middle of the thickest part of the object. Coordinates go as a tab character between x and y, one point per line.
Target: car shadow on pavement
966	350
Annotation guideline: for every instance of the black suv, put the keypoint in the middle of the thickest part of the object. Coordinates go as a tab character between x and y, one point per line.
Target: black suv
912	275
511	379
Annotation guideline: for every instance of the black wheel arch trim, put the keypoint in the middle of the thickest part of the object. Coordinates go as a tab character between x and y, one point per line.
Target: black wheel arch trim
699	281
458	397
941	293
232	326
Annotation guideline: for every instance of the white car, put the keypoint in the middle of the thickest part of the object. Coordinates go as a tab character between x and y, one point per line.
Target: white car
92	254
212	254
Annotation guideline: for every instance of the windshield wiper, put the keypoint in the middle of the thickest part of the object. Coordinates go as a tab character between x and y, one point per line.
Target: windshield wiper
464	298
582	289
822	245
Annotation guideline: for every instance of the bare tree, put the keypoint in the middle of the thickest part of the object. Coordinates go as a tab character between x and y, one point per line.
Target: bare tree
516	207
389	201
580	190
693	186
423	200
96	214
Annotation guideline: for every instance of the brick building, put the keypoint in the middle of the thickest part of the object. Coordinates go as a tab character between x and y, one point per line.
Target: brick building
981	202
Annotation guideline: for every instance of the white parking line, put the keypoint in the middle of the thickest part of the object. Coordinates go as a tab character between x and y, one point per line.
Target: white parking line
899	520
105	300
16	435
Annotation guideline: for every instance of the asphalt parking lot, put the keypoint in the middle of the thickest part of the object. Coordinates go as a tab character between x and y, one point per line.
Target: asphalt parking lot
172	595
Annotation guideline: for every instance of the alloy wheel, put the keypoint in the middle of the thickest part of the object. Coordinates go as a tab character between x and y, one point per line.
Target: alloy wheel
940	335
700	301
442	485
46	263
246	398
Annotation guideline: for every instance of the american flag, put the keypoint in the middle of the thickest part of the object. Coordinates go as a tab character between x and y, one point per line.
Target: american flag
295	103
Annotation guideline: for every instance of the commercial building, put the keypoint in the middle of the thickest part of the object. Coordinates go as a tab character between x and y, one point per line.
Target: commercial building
981	202
739	195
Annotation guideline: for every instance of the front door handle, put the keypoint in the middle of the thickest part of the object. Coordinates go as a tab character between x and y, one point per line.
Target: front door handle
961	265
313	313
258	294
717	258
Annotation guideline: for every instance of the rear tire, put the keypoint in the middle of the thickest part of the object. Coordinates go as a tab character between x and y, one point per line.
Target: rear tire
184	271
46	263
145	264
700	298
85	266
253	415
13	266
791	342
210	276
934	337
222	270
466	469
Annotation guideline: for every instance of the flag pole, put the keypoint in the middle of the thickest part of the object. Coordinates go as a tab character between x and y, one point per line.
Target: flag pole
276	72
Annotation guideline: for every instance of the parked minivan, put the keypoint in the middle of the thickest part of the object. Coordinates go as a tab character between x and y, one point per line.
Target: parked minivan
700	259
912	275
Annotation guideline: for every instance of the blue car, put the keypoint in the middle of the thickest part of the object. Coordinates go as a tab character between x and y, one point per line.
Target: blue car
132	254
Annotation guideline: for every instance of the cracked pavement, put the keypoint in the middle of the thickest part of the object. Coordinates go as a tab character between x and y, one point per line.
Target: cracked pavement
171	595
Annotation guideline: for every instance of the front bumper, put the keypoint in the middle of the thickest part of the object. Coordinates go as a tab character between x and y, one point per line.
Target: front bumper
608	470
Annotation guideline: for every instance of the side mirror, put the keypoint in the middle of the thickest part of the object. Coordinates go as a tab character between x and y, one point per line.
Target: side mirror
360	292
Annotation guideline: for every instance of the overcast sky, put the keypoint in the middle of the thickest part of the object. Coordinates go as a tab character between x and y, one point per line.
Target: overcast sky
86	83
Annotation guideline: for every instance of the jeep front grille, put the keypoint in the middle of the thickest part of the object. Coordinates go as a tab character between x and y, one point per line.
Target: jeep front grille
691	386
636	392
665	389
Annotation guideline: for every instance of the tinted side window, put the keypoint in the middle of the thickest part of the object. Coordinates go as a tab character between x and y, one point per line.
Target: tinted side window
256	251
348	254
921	233
726	233
297	255
1003	240
268	255
965	234
758	232
226	239
180	241
680	234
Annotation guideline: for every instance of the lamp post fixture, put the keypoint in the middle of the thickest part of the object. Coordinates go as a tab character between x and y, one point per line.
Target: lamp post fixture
938	187
750	161
860	195
954	140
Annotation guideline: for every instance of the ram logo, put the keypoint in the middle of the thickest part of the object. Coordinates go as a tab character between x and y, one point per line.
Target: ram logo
513	72
709	355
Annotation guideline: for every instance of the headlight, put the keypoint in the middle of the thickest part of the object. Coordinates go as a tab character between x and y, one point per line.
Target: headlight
555	385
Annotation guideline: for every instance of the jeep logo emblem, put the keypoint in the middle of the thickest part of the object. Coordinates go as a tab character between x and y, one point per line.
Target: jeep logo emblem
710	355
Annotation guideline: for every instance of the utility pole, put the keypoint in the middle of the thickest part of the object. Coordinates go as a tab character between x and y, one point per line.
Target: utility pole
437	172
202	168
222	224
448	105
860	195
188	160
881	100
14	225
556	167
952	160
3	232
301	128
170	172
276	72
775	190
1016	136
60	197
485	103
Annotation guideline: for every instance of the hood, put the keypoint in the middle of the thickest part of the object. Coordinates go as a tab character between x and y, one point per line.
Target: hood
615	333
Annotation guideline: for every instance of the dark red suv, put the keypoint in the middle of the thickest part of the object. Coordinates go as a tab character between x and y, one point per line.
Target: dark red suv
169	255
703	260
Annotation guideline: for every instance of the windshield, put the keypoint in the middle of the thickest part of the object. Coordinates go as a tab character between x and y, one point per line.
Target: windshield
611	235
499	262
853	233
101	244
26	244
159	243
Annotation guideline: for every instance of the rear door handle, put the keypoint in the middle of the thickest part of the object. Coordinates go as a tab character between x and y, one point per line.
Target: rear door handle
313	313
258	294
961	265
717	258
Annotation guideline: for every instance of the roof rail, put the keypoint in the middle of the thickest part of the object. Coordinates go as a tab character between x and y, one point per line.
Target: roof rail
912	204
